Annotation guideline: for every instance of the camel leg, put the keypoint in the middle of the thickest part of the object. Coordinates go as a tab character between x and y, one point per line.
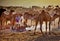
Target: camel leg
46	27
41	28
1	22
31	22
35	27
25	22
49	27
58	23
54	23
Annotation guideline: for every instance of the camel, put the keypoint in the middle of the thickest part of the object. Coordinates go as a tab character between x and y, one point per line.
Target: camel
57	11
7	16
44	16
1	13
26	17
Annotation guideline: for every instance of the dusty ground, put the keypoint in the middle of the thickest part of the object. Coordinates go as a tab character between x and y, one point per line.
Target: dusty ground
48	38
23	36
28	36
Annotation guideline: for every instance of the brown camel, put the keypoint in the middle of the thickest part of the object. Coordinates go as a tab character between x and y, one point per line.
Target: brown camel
27	16
6	17
44	16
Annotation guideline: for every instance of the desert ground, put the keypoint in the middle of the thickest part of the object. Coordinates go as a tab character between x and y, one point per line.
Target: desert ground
8	35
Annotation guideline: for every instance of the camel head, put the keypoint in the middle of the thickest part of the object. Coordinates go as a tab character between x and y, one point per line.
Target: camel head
57	10
55	16
1	11
43	12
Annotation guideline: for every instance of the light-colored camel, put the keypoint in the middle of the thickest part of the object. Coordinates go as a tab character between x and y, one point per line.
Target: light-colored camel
57	11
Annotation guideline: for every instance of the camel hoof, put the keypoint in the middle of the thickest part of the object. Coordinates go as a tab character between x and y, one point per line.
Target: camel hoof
49	33
45	33
34	33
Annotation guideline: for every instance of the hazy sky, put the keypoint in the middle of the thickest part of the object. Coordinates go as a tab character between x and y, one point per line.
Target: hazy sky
28	3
